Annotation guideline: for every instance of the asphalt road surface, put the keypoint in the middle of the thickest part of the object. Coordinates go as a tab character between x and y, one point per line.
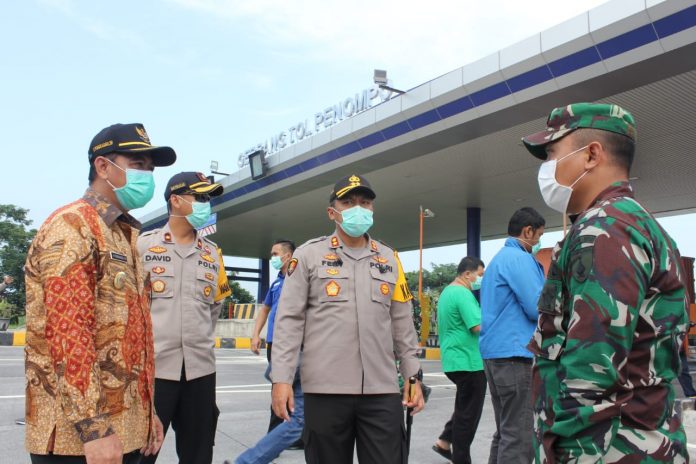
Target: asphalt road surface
243	396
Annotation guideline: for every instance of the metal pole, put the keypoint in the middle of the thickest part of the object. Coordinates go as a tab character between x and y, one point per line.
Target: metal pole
420	259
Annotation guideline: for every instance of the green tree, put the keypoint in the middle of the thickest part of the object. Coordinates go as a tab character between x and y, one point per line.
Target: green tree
15	238
239	294
435	280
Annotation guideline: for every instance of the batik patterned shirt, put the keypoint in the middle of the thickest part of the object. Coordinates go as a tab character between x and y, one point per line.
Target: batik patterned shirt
89	349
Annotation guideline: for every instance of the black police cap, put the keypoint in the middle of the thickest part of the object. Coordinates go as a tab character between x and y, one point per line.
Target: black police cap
191	183
349	184
129	139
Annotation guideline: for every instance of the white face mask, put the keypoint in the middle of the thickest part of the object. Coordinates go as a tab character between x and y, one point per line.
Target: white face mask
555	195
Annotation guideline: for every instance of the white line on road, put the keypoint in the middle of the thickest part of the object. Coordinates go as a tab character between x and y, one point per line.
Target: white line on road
243	391
244	386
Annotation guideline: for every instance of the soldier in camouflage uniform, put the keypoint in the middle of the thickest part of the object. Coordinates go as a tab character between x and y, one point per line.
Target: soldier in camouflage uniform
612	313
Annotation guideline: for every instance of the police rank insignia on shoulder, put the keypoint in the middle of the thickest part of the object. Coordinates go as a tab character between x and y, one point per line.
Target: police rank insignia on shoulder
168	237
373	245
384	288
158	286
207	290
157	249
199	245
332	288
291	266
207	249
208	258
332	271
158	269
334	242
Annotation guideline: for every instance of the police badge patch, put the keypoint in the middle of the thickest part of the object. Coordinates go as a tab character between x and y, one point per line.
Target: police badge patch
291	266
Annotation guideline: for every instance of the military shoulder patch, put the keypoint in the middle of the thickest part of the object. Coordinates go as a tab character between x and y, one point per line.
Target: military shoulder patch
291	266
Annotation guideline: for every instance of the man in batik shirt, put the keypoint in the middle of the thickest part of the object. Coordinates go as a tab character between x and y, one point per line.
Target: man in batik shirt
89	348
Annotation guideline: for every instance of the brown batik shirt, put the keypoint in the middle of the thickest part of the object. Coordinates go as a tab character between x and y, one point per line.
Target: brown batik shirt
89	350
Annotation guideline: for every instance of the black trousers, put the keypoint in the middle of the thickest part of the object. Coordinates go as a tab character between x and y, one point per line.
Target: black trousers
189	406
274	420
335	424
130	458
468	405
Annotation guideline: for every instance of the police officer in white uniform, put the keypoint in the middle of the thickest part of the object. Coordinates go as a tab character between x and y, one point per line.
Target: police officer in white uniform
346	302
189	284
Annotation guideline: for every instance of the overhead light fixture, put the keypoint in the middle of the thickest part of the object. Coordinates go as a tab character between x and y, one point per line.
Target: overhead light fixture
214	169
379	77
257	164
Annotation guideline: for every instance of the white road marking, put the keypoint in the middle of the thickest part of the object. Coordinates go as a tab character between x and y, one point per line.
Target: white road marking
245	386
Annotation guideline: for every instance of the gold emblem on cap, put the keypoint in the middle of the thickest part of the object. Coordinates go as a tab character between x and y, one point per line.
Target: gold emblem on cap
354	180
142	134
120	280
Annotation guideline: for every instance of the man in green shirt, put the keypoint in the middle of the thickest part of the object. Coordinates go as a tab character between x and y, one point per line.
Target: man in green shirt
459	321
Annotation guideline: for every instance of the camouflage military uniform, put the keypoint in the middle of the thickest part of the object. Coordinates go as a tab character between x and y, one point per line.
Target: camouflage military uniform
612	316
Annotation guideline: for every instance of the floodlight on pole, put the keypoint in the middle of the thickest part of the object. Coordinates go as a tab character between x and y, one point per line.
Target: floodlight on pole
380	78
214	168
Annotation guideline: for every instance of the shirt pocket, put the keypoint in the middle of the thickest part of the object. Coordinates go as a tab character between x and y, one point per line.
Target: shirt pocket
334	283
550	335
382	286
161	280
206	281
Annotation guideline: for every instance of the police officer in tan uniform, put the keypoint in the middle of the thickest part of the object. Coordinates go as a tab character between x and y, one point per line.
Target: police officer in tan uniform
346	304
189	284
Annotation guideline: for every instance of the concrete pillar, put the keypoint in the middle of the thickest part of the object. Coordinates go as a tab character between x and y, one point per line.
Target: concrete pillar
264	276
473	232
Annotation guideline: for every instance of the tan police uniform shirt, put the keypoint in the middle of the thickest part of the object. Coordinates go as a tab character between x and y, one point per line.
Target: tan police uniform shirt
350	309
189	285
89	358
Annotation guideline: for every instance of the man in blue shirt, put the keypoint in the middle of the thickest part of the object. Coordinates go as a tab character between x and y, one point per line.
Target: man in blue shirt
509	294
281	435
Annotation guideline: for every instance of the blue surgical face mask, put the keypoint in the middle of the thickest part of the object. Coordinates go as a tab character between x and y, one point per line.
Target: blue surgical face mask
199	215
138	189
536	248
276	262
476	284
356	220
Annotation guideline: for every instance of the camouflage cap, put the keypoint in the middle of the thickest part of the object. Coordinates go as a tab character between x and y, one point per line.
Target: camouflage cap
562	121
